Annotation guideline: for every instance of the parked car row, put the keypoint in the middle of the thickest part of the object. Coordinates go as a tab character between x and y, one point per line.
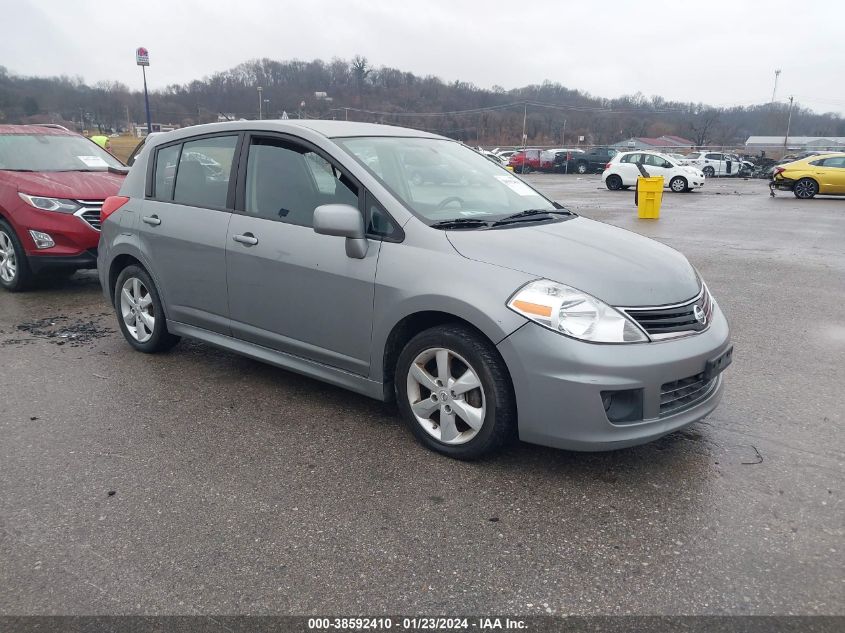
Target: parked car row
310	245
561	160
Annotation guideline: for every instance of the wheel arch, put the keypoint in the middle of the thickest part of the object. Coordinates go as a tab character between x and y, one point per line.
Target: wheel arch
130	257
407	328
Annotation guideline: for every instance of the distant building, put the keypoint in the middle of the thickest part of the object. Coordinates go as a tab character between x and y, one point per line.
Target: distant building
658	143
141	129
762	143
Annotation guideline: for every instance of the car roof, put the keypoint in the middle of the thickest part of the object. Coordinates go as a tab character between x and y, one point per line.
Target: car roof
46	129
329	129
822	155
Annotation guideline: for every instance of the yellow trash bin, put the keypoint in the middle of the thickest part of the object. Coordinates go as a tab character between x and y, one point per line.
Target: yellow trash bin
649	197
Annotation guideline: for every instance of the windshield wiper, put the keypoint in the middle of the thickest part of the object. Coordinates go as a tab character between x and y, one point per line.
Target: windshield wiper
8	169
533	215
460	223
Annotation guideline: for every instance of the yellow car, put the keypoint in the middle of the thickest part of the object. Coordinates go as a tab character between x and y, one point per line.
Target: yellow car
821	174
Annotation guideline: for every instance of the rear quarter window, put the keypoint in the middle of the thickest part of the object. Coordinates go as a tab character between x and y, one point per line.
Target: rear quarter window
165	172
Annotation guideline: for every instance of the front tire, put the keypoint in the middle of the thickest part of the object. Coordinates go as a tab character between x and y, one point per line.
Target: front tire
455	392
678	184
15	274
613	182
582	168
805	188
140	313
708	171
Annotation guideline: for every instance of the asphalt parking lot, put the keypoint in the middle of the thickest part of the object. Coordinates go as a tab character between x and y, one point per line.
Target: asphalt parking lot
200	482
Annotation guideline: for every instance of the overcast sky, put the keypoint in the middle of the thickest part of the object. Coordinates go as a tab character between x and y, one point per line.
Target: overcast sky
722	53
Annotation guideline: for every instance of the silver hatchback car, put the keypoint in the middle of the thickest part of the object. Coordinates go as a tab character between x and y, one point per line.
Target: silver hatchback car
401	264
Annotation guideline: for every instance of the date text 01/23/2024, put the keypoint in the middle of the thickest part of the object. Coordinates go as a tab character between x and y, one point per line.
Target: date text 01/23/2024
415	624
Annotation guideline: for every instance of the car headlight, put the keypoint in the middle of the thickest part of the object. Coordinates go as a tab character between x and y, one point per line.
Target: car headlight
50	204
574	313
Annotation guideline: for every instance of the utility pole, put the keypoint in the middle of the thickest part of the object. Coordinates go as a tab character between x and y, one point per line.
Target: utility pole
788	122
260	102
128	121
524	118
774	91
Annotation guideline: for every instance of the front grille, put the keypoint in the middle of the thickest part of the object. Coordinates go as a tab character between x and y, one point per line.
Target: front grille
682	394
662	322
90	212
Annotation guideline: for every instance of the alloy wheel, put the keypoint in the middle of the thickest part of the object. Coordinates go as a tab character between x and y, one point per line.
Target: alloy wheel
805	188
137	309
446	396
8	260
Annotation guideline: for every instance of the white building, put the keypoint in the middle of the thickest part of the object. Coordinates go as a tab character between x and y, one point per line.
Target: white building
758	143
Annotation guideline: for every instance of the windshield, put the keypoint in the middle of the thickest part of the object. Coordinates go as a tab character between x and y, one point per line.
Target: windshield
53	152
442	180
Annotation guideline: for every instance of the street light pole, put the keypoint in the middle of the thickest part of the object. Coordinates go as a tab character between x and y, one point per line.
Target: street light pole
260	103
147	101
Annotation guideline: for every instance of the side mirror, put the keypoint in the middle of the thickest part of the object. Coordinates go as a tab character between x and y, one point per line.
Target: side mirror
343	220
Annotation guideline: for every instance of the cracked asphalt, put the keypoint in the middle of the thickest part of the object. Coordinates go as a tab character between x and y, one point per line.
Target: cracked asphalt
200	482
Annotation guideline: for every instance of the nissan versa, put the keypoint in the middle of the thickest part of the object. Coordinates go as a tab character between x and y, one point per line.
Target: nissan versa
485	309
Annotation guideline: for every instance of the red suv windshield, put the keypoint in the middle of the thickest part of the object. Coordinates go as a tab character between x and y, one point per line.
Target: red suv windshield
53	152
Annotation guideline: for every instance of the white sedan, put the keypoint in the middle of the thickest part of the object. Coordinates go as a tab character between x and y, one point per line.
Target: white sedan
622	171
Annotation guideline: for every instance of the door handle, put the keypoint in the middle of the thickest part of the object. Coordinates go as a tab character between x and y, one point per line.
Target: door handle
151	219
248	239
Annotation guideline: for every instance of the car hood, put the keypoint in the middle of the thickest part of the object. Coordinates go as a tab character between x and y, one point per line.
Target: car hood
614	265
76	185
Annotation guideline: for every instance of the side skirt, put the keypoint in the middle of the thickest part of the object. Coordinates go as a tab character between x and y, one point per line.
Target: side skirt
331	375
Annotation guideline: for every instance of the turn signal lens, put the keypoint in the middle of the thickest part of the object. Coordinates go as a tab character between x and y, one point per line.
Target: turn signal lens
110	205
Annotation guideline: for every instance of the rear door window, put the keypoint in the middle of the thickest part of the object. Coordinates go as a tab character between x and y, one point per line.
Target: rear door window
202	179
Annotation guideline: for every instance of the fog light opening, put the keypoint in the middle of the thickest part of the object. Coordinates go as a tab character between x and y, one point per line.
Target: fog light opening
623	406
42	240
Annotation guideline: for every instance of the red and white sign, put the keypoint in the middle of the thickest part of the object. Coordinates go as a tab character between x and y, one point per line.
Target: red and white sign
142	56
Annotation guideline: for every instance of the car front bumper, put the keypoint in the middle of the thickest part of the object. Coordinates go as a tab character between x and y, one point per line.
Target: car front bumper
558	383
84	260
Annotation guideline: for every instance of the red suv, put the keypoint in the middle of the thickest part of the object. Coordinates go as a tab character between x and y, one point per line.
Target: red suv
52	185
528	160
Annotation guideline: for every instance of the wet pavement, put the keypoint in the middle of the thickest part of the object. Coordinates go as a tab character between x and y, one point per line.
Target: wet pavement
198	481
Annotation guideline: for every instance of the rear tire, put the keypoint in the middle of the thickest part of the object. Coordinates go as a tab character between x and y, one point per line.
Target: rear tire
455	393
15	274
678	184
582	168
613	182
805	188
139	312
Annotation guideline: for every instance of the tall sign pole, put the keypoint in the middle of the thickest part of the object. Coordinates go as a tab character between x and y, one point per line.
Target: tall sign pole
142	59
